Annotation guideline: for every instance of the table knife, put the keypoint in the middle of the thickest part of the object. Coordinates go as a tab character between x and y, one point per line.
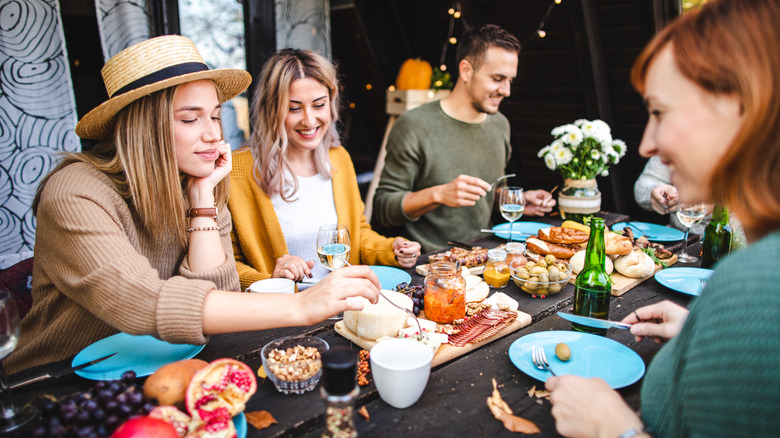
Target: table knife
460	244
514	233
594	322
60	373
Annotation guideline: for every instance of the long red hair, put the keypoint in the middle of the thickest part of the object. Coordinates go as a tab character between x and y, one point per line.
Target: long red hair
731	47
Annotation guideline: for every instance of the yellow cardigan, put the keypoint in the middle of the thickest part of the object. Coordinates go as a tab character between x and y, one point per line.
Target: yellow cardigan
257	236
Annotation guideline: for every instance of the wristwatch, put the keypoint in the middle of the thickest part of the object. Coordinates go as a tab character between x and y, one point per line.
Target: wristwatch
203	212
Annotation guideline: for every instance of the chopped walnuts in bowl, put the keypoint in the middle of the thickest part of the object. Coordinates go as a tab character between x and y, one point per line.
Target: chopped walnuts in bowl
294	363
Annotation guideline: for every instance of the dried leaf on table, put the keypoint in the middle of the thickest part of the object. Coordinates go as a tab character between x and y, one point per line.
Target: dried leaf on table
538	393
260	419
261	372
364	413
503	413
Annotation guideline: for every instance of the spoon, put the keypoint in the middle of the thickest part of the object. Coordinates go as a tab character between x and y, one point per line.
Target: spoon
509	175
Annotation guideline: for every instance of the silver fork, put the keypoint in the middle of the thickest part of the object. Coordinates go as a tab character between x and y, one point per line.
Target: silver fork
703	281
540	359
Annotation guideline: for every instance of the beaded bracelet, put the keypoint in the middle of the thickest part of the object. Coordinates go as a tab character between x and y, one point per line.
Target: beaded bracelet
189	230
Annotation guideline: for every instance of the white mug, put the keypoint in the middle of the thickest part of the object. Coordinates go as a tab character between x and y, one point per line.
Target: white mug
400	368
273	286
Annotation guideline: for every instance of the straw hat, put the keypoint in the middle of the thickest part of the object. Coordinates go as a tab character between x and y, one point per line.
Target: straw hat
150	66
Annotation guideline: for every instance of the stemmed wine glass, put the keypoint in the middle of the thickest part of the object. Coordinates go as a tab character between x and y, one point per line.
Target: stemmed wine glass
689	214
11	417
512	204
333	246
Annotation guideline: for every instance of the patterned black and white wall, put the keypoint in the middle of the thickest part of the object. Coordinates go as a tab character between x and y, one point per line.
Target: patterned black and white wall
303	24
37	115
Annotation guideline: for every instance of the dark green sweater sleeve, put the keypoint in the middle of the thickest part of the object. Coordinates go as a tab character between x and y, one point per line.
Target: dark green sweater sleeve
721	376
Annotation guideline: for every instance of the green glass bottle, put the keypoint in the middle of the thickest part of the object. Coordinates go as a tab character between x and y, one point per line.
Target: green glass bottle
593	287
717	237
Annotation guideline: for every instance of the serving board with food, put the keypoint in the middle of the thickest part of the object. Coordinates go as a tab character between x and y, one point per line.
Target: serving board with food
630	261
487	318
474	259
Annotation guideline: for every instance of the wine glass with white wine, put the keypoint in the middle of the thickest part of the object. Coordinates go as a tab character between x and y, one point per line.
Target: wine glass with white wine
11	417
512	205
689	214
333	246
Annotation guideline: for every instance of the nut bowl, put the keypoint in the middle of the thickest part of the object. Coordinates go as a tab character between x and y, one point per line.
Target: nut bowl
293	363
536	283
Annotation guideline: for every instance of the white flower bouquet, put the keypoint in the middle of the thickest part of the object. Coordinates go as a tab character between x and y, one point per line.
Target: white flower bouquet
582	150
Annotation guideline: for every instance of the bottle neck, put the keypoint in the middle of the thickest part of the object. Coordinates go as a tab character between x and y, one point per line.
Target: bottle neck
720	214
595	254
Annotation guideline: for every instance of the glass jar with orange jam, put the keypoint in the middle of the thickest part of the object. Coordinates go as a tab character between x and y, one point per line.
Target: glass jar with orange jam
445	293
496	272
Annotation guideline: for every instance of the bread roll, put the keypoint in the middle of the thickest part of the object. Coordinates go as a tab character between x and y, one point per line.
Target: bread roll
617	244
636	264
577	262
541	247
562	235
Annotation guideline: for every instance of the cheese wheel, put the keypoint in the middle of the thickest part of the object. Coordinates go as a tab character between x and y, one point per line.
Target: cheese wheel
380	319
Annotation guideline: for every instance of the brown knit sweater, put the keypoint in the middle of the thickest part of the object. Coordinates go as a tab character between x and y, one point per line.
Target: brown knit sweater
97	273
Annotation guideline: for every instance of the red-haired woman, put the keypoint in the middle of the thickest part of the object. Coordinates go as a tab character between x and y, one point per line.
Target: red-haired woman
710	83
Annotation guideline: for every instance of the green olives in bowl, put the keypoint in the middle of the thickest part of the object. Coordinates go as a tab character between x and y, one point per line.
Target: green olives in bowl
541	279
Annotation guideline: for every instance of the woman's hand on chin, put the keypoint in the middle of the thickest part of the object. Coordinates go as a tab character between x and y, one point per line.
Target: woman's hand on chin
332	294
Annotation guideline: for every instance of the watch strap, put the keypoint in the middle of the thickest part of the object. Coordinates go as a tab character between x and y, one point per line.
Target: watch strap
203	212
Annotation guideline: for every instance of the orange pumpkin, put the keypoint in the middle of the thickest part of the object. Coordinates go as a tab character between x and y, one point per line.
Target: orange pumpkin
415	74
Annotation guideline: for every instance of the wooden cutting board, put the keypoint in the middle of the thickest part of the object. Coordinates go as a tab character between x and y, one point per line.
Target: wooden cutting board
622	284
446	352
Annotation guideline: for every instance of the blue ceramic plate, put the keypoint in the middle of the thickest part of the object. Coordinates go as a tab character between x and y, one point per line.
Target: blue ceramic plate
142	354
654	232
520	230
240	422
389	276
685	280
591	356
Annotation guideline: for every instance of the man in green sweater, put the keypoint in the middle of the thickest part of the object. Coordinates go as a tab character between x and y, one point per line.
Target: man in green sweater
442	156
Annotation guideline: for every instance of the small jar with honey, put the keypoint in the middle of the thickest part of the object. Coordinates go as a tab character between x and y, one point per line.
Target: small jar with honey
445	293
497	270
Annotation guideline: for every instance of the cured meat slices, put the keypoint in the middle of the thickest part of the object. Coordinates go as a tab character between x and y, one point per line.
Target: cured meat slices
481	326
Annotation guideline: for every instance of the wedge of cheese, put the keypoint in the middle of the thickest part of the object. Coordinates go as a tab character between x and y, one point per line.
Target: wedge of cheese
380	319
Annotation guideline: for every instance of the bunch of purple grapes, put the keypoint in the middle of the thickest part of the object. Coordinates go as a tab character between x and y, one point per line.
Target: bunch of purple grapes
94	413
416	293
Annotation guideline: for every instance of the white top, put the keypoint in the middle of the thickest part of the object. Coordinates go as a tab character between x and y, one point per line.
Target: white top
313	206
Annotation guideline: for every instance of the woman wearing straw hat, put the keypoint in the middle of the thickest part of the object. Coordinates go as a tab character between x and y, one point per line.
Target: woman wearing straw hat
296	176
134	236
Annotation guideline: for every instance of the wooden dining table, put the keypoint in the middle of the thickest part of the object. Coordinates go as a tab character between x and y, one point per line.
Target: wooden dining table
453	403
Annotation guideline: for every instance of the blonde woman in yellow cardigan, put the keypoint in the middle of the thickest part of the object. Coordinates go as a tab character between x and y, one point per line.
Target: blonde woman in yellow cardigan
295	177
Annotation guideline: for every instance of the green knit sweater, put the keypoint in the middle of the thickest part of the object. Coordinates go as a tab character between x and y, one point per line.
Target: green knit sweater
426	147
720	377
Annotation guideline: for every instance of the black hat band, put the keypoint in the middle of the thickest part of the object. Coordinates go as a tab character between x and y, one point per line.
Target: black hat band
161	75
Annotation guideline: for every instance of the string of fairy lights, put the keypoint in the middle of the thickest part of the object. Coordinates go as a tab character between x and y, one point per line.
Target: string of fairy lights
441	78
456	13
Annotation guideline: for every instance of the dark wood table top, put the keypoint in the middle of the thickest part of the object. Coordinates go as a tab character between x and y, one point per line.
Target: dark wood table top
454	400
